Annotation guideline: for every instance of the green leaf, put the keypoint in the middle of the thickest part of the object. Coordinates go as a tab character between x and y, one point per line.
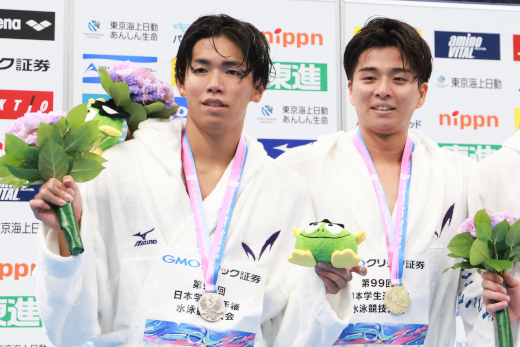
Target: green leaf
479	252
77	116
513	236
94	156
502	245
79	139
461	244
137	115
499	265
482	217
47	131
514	252
16	147
106	81
84	170
31	175
62	126
484	231
13	181
454	255
165	113
155	107
29	164
54	162
463	265
8	159
120	92
32	154
500	231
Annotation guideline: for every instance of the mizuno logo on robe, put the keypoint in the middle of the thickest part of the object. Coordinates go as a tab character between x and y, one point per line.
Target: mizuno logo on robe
144	241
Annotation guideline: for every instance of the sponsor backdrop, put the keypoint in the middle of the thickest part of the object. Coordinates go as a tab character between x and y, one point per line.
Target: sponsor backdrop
52	53
472	103
32	78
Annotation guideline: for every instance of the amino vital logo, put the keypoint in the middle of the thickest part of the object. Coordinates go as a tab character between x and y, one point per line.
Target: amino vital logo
463	45
289	39
267	110
8	193
466	120
144	241
94	25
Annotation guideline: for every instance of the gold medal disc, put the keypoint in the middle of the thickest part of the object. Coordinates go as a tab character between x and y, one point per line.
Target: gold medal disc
397	299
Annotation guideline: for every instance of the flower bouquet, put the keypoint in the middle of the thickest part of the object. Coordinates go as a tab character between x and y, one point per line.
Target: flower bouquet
489	242
40	146
138	92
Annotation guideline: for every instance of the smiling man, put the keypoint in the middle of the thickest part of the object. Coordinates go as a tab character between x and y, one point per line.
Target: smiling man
408	194
188	230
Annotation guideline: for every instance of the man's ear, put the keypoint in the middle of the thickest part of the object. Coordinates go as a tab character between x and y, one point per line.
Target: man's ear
180	86
350	93
258	93
422	95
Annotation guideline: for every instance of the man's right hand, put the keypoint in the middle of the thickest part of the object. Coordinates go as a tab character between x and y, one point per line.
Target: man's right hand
54	192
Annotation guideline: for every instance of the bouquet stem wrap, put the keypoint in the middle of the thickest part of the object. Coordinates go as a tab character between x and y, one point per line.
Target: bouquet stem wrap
69	226
505	336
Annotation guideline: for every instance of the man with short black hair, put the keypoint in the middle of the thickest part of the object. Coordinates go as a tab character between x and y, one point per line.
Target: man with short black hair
120	292
408	194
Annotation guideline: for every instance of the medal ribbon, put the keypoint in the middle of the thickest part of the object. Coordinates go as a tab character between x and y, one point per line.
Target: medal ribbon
211	259
395	235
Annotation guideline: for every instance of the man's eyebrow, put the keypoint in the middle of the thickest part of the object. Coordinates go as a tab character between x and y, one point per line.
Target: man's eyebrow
228	63
397	70
368	69
231	63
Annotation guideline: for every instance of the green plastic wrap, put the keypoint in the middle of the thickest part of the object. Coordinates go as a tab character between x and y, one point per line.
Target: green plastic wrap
505	336
69	226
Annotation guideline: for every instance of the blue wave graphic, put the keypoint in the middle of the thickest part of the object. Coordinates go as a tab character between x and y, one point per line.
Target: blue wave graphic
132	58
195	335
383	334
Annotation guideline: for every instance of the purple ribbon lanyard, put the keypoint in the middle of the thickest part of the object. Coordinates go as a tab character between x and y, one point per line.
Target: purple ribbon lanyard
395	235
211	259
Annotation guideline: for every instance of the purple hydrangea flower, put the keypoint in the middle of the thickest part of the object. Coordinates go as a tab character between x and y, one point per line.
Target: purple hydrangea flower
26	127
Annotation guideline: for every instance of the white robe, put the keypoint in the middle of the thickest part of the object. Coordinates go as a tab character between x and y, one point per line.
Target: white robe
100	295
494	187
342	192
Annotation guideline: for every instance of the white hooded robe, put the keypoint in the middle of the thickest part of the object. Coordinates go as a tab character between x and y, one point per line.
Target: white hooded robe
342	192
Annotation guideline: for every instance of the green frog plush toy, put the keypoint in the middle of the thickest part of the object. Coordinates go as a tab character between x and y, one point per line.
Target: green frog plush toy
326	241
112	122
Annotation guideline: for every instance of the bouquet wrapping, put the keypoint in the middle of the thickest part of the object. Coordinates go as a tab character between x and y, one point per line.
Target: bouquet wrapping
489	242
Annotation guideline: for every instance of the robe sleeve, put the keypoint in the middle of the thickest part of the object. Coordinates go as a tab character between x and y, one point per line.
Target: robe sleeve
309	318
67	288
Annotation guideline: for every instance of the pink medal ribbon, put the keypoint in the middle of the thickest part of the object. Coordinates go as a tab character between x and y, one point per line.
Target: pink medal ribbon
395	235
211	260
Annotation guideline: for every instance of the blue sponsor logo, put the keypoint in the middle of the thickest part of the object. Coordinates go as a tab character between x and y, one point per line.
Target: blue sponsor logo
267	110
85	98
181	261
441	79
94	25
143	237
276	147
183	107
93	71
464	45
8	193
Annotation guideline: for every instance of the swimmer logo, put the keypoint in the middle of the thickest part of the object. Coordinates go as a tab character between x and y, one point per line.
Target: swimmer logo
143	236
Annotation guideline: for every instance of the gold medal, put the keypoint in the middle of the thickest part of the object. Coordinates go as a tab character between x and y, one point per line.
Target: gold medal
211	307
397	299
